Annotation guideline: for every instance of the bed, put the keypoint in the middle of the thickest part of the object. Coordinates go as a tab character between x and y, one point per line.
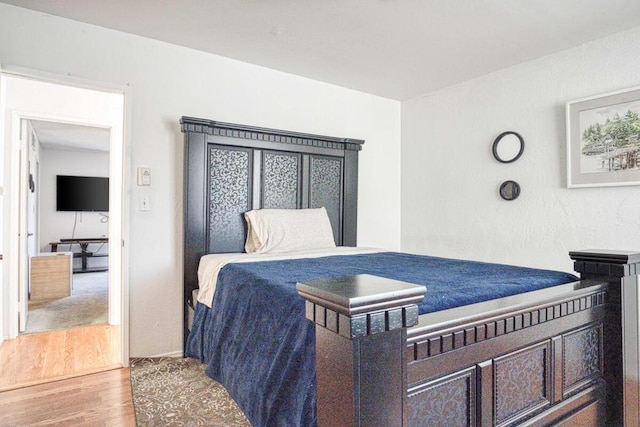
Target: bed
560	354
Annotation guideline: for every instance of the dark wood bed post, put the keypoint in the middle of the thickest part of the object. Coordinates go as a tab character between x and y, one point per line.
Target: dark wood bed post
361	334
620	269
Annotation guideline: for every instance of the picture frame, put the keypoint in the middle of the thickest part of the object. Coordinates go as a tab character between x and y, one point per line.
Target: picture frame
603	140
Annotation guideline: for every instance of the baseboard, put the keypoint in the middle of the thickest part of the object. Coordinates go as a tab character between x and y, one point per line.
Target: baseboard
171	354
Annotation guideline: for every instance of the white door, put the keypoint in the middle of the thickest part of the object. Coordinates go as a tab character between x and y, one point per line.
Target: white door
32	200
23	258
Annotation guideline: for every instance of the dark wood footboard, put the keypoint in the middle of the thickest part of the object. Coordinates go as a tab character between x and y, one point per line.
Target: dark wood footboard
543	356
554	356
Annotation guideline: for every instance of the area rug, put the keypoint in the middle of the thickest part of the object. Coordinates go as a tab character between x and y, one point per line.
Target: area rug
87	305
176	392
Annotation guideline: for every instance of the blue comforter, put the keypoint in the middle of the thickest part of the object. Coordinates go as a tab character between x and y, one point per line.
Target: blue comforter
255	341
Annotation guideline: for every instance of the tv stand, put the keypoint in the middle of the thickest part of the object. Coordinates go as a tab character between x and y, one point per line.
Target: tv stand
84	253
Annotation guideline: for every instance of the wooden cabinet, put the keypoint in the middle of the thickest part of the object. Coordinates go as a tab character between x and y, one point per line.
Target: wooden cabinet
51	275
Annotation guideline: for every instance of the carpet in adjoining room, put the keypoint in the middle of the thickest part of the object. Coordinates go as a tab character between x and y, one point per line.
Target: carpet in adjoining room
87	305
175	391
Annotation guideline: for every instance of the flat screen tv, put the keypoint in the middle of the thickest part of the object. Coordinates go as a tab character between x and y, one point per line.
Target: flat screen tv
82	193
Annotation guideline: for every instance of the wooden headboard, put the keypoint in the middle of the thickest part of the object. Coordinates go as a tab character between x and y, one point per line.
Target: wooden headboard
230	169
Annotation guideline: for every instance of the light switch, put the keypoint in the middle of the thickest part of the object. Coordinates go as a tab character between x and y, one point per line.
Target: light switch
144	204
144	176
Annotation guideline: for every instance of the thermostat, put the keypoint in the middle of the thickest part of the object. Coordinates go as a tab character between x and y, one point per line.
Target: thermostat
144	176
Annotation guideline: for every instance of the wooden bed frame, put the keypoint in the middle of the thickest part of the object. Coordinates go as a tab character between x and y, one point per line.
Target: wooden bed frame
566	355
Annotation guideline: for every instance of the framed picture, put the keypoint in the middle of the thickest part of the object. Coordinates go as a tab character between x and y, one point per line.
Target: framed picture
603	140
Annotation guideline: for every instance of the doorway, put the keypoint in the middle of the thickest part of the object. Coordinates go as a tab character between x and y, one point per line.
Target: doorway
28	106
67	226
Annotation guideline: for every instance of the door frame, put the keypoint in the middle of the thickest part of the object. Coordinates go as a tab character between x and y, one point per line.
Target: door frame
18	221
3	295
119	217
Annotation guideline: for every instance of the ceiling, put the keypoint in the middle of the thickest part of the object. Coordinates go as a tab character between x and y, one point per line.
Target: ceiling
398	49
54	135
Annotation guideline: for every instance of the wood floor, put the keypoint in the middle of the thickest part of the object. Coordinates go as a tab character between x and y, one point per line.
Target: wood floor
102	399
68	377
37	358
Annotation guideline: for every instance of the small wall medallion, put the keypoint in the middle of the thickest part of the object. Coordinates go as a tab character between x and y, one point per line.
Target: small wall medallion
509	190
508	147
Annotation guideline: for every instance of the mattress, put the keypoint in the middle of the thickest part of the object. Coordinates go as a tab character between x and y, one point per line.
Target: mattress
210	265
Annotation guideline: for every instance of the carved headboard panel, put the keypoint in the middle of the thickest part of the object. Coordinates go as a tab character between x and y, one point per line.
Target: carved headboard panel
230	169
244	178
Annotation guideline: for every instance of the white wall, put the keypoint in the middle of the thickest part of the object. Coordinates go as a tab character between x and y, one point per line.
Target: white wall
56	225
168	82
450	203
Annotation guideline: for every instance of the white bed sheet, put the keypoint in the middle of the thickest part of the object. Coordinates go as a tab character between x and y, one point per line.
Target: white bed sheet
210	265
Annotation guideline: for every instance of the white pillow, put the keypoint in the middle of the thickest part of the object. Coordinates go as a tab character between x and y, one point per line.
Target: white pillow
287	230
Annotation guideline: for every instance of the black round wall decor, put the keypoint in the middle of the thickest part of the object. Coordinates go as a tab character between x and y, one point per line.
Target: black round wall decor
509	190
508	147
